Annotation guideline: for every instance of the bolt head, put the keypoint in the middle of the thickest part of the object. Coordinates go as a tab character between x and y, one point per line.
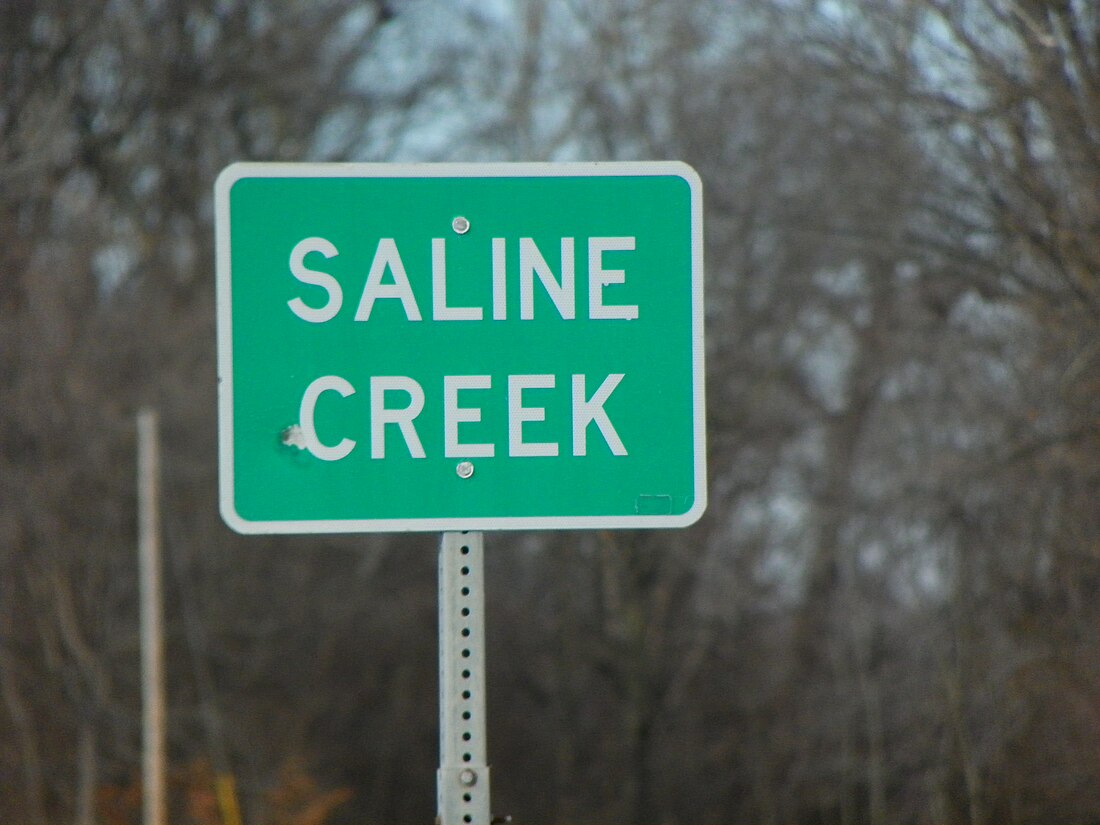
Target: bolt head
460	225
468	777
465	469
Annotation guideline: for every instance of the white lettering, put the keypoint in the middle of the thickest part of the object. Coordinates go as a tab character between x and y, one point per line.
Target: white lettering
440	310
306	417
386	255
532	263
380	415
518	414
311	276
598	278
453	415
500	292
585	412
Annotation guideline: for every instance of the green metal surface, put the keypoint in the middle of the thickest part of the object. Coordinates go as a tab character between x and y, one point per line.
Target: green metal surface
269	356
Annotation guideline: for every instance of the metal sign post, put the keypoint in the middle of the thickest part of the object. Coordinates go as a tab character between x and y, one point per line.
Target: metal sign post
462	781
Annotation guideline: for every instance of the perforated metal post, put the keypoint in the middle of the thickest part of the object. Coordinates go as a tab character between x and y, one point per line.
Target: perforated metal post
462	781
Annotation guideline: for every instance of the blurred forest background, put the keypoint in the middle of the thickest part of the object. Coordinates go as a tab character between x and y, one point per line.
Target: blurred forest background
890	612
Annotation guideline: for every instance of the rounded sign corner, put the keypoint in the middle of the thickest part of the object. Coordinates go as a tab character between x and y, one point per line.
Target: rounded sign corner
695	512
228	176
234	521
687	172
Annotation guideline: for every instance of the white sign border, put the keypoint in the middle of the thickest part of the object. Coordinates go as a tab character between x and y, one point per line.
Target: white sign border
224	316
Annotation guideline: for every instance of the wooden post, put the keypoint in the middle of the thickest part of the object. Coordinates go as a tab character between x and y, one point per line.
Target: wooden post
152	633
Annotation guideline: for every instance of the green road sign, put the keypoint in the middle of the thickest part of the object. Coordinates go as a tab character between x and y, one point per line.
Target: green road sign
460	346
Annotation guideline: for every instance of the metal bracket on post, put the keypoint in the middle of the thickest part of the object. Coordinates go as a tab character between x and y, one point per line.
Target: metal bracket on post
462	781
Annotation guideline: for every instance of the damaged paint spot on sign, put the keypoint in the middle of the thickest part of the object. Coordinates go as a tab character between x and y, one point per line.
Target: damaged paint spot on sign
293	436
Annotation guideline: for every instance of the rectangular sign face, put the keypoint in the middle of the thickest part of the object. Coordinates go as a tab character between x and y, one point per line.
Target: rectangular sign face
460	346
